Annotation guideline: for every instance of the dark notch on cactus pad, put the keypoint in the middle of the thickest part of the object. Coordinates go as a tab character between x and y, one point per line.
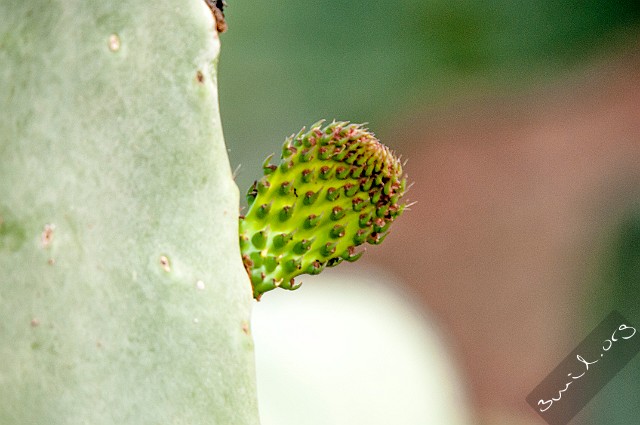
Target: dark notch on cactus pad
217	8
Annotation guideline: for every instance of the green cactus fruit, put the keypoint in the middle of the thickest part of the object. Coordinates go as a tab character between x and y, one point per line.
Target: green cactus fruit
336	187
123	299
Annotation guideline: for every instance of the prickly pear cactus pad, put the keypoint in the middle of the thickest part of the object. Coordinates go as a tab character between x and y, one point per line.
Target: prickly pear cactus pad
335	188
123	299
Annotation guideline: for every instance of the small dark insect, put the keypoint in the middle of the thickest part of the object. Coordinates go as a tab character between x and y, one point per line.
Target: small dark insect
295	192
217	8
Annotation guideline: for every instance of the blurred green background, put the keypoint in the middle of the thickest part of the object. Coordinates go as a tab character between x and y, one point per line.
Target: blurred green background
617	286
289	63
521	120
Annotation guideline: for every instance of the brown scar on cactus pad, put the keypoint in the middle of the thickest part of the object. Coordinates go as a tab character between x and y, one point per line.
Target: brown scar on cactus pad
217	8
336	187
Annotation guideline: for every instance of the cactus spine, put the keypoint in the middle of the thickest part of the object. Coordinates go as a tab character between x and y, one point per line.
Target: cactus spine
123	299
335	188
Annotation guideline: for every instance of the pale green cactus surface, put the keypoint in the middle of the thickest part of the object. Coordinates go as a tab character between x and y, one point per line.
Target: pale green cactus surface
335	188
123	298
